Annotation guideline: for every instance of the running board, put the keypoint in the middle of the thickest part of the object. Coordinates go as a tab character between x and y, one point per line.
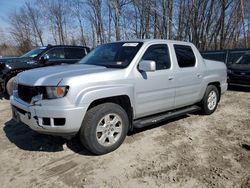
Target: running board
143	122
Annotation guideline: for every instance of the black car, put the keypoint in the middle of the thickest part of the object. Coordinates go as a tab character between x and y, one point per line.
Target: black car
38	57
239	71
238	64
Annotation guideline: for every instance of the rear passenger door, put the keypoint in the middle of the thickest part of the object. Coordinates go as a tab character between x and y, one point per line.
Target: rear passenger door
154	91
188	76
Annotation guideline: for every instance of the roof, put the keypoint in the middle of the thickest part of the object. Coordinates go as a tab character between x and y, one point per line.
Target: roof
74	46
156	41
67	46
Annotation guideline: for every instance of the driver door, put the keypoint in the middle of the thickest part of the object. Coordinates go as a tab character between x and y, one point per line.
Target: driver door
56	56
155	91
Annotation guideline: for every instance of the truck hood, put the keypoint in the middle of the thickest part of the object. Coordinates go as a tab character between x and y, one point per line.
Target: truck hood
5	59
52	76
17	62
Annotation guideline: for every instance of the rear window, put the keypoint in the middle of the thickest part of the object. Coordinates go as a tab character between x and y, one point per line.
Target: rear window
74	53
185	55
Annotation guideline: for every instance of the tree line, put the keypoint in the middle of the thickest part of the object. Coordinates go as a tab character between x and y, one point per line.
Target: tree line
209	24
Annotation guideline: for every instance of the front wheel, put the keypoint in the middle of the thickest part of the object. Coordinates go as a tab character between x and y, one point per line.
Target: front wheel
210	100
104	128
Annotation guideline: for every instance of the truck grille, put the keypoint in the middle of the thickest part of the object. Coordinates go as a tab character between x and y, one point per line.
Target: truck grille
27	92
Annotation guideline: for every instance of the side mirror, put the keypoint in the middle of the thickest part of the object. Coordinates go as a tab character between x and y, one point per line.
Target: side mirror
147	66
44	58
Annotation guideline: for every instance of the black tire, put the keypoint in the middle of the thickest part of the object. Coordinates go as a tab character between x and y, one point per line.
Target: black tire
93	120
205	105
9	86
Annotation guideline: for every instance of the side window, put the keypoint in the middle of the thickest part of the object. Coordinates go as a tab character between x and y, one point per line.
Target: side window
56	53
235	56
245	59
74	53
185	56
159	54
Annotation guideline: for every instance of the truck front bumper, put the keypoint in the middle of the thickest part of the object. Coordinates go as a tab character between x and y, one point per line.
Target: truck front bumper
53	120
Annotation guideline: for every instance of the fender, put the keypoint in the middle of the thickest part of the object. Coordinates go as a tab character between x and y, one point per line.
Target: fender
88	95
213	75
207	80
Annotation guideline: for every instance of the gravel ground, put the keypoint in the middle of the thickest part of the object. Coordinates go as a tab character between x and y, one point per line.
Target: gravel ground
191	151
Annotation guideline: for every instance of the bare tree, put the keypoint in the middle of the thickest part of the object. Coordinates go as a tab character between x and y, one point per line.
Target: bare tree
77	7
34	19
209	24
243	22
20	30
116	8
2	36
57	14
95	16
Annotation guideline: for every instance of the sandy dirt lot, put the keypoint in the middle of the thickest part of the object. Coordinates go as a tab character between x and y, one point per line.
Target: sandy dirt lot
191	151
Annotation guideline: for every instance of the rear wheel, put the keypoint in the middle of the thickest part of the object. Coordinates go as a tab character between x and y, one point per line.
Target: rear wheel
104	128
9	86
210	100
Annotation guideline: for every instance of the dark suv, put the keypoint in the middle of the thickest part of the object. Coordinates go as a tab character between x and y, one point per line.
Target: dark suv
38	57
238	64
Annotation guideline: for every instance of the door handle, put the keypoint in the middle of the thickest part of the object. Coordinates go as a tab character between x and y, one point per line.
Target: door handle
170	78
199	75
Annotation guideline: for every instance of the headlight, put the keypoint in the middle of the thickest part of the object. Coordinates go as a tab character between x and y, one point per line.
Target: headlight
56	92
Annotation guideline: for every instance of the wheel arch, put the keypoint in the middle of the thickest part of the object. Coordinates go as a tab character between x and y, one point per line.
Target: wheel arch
121	100
217	85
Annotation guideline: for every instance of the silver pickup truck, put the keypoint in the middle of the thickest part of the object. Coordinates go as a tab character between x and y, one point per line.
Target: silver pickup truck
117	87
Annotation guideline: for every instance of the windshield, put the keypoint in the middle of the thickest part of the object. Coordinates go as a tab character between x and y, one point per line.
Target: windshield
113	55
245	59
34	52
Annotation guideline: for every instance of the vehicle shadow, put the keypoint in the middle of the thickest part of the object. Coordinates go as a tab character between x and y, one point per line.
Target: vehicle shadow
27	139
239	88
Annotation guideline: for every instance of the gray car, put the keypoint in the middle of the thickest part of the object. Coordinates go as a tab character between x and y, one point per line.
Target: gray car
117	87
